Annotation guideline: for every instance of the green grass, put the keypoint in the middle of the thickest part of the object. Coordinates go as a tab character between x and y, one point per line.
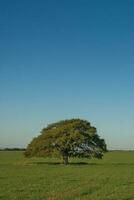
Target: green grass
111	178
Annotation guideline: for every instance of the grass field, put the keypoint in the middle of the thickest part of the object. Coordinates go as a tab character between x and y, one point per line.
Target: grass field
111	178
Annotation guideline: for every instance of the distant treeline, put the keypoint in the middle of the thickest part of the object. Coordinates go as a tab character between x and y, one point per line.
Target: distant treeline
23	149
12	149
121	150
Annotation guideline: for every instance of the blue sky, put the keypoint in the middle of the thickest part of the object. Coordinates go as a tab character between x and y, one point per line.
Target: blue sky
64	59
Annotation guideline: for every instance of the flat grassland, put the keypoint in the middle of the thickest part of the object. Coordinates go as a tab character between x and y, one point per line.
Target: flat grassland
111	178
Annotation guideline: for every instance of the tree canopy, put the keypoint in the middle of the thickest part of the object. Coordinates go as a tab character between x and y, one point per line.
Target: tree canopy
68	138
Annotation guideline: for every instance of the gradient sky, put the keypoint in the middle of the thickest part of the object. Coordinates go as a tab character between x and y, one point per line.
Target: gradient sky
64	59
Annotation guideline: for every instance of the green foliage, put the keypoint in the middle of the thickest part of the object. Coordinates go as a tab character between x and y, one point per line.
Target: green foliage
68	138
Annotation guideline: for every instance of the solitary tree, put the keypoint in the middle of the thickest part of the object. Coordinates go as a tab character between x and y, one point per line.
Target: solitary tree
68	138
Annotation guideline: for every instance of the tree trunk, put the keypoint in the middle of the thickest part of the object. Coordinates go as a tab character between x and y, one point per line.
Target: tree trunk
65	160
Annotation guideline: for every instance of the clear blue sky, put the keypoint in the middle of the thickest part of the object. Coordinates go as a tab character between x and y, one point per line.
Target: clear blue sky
67	58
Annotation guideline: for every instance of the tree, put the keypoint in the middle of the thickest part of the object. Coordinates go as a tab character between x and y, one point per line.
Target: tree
68	138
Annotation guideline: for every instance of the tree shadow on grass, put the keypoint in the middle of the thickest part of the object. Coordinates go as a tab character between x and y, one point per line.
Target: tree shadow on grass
82	163
47	163
69	164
